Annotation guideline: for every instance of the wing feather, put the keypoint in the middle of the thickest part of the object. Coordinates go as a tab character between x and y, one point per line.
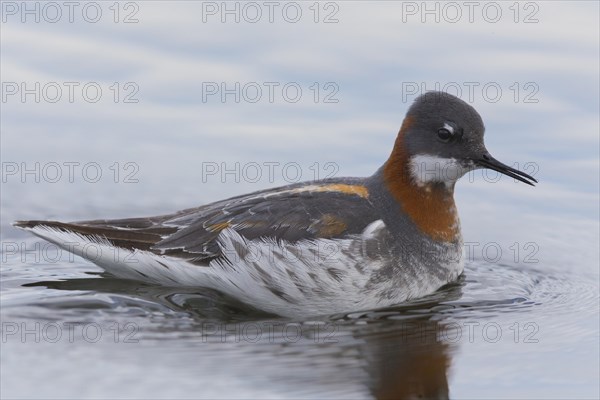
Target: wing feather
282	214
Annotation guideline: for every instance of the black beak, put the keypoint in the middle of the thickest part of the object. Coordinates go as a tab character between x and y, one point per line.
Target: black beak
490	162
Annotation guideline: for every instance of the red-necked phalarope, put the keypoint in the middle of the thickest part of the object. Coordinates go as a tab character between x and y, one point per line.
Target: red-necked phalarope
322	247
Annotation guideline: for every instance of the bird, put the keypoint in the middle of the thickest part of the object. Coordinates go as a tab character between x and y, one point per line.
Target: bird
322	247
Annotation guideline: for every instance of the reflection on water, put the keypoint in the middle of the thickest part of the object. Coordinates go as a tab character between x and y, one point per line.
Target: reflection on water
409	361
405	351
198	335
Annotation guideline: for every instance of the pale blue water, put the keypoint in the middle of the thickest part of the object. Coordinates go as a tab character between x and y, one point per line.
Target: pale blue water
520	323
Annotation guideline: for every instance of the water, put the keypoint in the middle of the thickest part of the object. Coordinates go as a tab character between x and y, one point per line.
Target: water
522	321
163	342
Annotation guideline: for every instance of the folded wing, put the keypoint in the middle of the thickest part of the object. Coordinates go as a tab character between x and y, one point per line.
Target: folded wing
291	214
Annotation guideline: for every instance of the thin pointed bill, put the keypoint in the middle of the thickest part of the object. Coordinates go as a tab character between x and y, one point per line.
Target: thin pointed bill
490	162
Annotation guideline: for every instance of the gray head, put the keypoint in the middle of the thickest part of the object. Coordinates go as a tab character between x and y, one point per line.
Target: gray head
442	136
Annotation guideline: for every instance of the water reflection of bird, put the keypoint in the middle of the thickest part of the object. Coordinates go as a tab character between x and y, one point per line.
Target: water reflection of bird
409	360
403	352
409	348
335	245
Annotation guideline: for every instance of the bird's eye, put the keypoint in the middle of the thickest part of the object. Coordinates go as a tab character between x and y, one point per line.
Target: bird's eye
444	134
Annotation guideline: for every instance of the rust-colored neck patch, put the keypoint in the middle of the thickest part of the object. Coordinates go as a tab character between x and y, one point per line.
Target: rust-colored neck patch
431	206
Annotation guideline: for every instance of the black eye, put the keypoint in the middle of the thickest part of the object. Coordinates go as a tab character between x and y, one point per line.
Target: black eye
444	134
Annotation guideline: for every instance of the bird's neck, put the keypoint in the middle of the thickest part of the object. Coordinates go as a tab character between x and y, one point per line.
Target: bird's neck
429	205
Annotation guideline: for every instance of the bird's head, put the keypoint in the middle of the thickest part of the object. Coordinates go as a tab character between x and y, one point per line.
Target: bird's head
442	139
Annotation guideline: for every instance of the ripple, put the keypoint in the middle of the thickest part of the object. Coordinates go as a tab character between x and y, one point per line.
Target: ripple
483	291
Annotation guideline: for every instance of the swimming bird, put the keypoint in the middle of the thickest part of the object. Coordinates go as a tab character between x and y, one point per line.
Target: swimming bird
314	248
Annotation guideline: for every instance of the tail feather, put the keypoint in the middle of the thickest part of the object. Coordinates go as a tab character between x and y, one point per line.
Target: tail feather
137	238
